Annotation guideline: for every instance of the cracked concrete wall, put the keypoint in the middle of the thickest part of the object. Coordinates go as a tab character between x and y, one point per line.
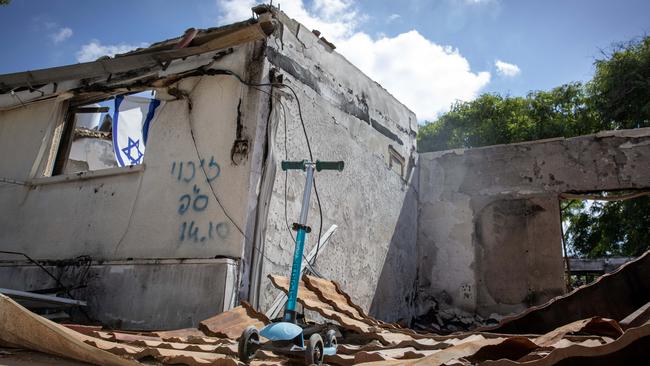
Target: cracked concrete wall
142	213
352	118
139	214
489	236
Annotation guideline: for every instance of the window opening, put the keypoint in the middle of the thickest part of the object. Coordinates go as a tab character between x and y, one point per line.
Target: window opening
106	133
602	231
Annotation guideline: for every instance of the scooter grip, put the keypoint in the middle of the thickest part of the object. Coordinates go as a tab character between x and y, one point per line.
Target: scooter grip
329	165
293	165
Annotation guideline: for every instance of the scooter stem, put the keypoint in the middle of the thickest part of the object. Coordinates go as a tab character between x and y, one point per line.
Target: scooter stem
290	310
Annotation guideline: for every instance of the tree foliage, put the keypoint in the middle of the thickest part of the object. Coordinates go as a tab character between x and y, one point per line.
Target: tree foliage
618	97
493	119
618	228
620	88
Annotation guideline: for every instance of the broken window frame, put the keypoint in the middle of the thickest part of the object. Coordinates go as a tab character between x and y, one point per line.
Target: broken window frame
67	136
63	137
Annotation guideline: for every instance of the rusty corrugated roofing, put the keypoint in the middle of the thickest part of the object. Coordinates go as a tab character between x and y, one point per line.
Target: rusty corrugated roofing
365	340
231	324
614	295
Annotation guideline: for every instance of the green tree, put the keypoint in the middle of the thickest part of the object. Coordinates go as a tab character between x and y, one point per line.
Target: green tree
493	119
620	88
618	228
617	97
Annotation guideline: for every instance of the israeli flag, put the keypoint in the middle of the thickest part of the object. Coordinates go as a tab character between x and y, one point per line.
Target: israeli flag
131	121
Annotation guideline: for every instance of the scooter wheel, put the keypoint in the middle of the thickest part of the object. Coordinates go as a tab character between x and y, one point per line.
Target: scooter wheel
330	338
248	344
314	352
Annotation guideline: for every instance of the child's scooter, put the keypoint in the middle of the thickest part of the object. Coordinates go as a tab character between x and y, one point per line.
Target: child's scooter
286	336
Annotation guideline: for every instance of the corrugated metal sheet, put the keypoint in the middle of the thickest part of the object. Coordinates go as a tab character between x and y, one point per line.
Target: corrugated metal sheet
367	341
615	295
231	324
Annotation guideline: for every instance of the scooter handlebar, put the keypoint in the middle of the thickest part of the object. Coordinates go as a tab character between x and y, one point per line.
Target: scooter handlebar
329	165
320	165
294	165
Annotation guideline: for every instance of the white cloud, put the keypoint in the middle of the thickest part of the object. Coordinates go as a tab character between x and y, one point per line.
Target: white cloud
61	35
393	17
335	19
94	50
507	69
423	75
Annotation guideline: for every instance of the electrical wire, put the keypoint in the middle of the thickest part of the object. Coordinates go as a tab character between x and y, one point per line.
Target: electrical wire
311	158
214	194
286	178
207	71
286	174
65	289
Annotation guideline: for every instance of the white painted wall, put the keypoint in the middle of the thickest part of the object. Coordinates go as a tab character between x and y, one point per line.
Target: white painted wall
138	214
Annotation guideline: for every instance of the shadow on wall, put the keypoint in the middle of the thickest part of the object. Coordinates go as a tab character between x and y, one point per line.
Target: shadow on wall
395	293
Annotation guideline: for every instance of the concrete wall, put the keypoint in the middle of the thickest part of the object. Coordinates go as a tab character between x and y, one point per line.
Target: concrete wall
152	211
137	294
142	213
489	236
91	154
352	118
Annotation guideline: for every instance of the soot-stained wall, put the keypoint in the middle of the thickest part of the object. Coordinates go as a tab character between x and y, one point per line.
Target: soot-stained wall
489	236
189	200
348	117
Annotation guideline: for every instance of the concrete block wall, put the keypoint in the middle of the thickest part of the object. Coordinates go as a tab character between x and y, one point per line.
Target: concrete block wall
352	118
489	238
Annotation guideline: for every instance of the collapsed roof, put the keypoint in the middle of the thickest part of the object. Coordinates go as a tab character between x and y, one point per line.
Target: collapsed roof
144	66
365	340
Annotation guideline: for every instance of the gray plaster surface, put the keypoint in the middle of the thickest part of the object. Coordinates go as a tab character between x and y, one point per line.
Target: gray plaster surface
352	118
489	236
137	295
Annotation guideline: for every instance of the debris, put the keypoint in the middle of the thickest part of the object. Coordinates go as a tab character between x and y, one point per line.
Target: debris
593	339
231	324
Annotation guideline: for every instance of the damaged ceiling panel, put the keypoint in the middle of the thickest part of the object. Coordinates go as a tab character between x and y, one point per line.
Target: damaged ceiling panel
592	340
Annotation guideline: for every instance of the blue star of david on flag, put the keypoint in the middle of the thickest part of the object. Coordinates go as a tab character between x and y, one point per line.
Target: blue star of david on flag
128	150
131	120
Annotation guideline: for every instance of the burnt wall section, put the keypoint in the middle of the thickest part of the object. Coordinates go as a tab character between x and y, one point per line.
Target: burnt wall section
352	118
135	294
194	196
187	200
489	236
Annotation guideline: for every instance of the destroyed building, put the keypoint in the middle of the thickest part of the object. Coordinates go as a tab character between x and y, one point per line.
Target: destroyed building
198	221
195	223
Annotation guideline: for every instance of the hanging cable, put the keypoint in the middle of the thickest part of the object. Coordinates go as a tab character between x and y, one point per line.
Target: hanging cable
311	158
214	72
65	289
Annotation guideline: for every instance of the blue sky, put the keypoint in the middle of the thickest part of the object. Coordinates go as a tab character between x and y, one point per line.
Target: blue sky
448	48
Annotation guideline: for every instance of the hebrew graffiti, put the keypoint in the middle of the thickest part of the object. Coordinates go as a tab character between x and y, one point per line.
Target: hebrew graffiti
195	202
198	202
186	171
